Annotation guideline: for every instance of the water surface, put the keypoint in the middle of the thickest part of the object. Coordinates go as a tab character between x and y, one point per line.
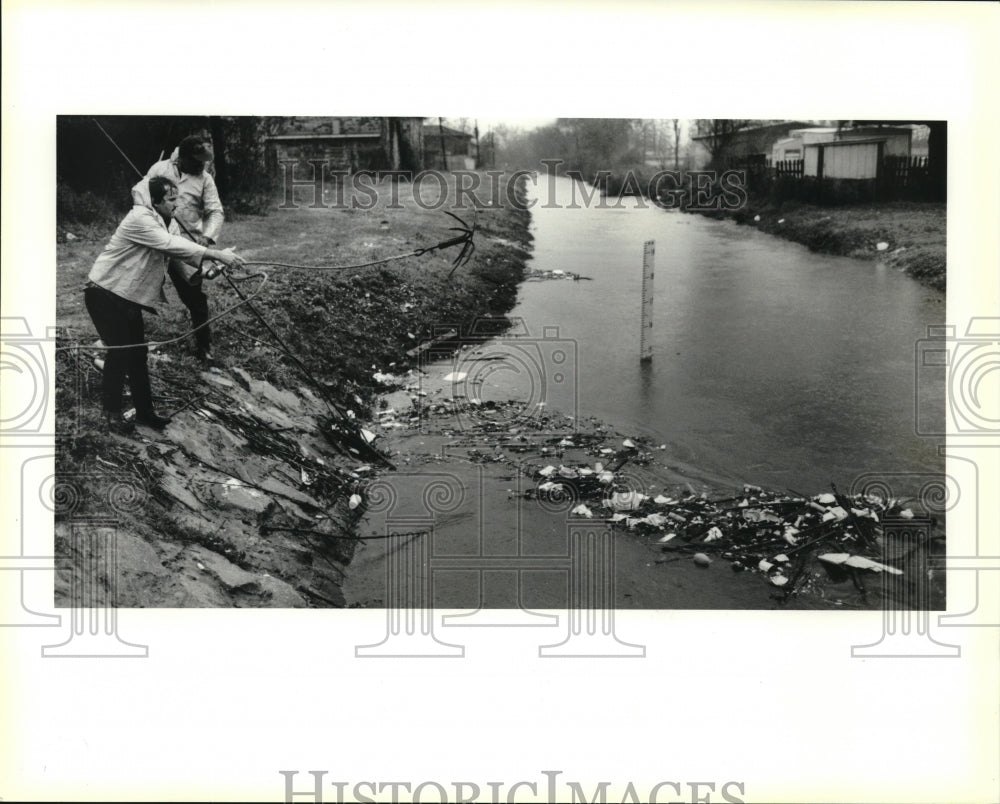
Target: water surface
771	364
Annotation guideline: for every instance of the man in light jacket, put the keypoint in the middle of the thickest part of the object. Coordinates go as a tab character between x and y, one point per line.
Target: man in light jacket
200	211
128	278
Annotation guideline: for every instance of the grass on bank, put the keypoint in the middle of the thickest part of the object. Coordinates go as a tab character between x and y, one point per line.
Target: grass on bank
346	324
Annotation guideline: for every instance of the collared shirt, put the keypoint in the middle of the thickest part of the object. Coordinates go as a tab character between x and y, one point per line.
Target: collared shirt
133	264
198	205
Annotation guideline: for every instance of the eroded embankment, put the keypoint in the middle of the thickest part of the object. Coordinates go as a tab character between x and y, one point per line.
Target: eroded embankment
249	496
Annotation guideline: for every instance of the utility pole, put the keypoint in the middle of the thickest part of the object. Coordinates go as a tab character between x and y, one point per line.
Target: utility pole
444	153
677	143
475	129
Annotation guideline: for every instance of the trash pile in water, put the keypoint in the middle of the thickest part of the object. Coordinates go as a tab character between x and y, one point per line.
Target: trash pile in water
757	530
784	537
541	276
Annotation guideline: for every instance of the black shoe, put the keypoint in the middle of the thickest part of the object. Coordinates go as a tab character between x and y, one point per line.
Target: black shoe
115	423
150	419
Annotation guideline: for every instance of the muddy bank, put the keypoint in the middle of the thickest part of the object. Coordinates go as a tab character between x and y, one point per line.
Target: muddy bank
908	236
249	496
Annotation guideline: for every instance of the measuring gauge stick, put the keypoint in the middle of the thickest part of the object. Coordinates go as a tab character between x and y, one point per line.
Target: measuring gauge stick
645	339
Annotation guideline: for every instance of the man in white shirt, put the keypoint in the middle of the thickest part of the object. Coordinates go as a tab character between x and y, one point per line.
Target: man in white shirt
128	278
200	211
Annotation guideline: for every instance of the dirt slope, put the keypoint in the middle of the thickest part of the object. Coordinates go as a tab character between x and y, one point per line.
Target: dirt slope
245	499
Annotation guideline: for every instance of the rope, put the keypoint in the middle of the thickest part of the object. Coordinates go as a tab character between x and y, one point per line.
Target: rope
245	300
124	155
153	344
415	253
333	407
465	240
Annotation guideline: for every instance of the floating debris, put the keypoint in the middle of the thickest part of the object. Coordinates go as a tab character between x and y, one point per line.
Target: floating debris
776	534
859	562
542	276
771	532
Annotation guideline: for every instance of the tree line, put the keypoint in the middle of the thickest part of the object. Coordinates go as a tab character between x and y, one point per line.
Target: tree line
589	145
94	174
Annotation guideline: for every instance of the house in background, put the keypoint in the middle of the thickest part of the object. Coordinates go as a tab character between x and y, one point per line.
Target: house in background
447	148
844	159
747	145
897	140
792	146
348	143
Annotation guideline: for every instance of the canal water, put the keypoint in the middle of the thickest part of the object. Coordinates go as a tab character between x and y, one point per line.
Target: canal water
771	364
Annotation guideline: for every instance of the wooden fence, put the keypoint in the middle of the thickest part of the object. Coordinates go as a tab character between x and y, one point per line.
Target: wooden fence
904	171
899	177
788	167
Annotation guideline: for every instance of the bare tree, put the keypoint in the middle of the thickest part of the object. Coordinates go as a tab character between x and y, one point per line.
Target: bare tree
444	153
677	142
716	135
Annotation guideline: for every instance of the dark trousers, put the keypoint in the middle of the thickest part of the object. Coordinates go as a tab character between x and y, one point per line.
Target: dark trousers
119	322
194	298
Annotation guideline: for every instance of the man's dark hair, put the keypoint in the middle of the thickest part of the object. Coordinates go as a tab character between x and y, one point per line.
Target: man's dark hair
158	186
193	147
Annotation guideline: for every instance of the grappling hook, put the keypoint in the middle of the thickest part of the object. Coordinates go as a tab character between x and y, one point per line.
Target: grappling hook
465	239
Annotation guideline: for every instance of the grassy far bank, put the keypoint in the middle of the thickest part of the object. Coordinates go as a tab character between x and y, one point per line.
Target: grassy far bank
913	233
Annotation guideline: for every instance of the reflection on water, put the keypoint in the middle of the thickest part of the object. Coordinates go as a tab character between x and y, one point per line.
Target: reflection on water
771	364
